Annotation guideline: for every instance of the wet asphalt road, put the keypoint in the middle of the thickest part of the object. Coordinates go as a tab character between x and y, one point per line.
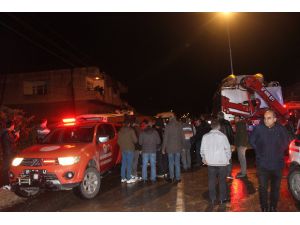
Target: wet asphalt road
190	195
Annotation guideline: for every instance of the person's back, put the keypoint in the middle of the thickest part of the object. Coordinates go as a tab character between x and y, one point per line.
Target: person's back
227	130
149	139
127	139
173	137
215	148
241	135
173	144
216	153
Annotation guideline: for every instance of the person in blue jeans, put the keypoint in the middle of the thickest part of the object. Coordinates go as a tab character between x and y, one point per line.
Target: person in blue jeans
173	144
146	158
174	161
149	140
126	140
126	167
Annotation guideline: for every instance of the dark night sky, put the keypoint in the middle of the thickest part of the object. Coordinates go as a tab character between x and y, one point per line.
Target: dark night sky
168	60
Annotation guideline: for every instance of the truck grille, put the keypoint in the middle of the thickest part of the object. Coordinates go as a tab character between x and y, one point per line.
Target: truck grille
31	162
50	176
44	176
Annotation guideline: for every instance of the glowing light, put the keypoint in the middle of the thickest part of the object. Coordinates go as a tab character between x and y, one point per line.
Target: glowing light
49	161
17	161
69	124
227	13
259	75
69	146
69	120
67	161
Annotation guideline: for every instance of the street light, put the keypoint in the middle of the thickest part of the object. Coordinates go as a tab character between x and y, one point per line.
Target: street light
227	15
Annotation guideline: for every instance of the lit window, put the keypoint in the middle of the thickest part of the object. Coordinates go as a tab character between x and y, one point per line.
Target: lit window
95	84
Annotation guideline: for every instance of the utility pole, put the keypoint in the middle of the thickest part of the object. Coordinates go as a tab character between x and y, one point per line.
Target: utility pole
73	92
229	42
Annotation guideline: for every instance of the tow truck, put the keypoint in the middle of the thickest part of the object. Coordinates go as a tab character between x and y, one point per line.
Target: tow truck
74	155
250	96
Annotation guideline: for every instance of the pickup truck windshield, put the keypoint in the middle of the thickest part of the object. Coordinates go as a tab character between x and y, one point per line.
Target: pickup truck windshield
75	134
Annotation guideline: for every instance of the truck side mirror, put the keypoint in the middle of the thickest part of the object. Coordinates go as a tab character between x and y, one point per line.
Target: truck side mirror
102	139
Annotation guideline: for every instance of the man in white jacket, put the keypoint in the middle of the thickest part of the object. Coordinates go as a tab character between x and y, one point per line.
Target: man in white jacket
216	153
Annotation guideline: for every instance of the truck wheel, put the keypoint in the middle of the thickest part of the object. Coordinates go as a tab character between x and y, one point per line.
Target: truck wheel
90	184
27	192
294	184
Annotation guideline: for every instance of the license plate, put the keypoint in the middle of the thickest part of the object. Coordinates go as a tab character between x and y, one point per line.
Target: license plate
35	176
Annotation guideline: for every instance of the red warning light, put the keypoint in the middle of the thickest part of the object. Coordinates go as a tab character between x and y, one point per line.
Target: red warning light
69	120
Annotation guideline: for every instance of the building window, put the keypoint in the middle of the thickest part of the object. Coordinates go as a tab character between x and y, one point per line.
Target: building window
95	84
35	88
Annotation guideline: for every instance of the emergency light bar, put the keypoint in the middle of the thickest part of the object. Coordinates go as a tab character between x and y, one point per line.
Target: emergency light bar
69	120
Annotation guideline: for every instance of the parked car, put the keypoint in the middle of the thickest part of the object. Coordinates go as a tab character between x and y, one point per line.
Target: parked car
294	169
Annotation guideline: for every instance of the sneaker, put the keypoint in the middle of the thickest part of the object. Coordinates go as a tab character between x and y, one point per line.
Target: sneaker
131	181
6	187
123	180
161	176
136	178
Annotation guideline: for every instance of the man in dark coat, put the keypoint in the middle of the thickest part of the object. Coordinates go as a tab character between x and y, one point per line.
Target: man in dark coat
173	144
241	144
149	140
8	142
269	140
202	128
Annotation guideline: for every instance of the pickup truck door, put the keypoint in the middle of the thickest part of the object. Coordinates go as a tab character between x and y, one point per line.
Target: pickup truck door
105	143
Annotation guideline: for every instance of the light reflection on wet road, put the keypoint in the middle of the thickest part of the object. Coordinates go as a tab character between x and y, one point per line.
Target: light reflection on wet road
190	195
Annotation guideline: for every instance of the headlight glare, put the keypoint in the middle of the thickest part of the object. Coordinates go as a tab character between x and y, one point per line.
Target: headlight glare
67	161
17	161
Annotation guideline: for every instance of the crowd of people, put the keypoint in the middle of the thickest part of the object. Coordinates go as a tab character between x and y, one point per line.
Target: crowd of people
182	144
176	145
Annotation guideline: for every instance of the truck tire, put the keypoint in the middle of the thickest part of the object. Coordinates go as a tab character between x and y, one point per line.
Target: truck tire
294	184
28	192
90	185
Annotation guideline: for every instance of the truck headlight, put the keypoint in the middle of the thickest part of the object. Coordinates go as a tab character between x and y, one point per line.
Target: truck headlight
67	161
17	161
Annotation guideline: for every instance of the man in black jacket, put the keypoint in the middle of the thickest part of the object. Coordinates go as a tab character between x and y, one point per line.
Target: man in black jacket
269	140
8	142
